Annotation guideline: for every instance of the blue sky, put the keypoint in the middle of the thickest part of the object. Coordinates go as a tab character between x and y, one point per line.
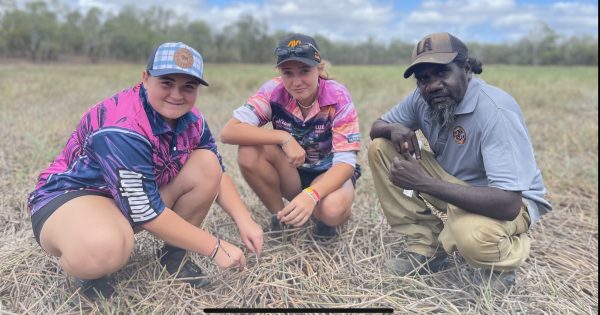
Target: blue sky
488	21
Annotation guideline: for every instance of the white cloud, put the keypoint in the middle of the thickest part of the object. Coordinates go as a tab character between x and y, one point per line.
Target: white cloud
431	17
353	20
289	8
497	20
384	20
515	20
573	18
218	17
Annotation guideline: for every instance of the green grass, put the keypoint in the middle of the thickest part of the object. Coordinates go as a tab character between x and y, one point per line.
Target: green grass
41	104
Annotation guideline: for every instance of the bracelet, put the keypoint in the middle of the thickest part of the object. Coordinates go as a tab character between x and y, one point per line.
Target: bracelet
216	249
284	143
314	195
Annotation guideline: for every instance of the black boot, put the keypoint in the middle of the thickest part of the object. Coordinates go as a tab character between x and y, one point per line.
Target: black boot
95	289
499	281
177	263
413	263
276	225
324	232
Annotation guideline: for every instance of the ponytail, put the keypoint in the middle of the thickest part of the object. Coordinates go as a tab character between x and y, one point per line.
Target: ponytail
476	65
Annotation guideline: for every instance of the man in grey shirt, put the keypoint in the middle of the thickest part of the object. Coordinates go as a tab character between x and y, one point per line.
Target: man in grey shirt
481	172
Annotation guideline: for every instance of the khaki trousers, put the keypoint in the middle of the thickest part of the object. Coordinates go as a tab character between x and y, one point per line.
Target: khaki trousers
483	242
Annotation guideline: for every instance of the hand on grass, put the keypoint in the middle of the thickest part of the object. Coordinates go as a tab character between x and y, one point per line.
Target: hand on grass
229	256
298	211
252	236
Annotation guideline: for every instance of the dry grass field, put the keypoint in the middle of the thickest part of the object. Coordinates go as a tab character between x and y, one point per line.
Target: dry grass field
41	104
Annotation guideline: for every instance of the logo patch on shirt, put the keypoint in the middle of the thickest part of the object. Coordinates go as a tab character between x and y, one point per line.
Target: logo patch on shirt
353	137
131	188
459	134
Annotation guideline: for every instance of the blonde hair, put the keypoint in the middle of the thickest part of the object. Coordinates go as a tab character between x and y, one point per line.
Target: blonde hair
323	74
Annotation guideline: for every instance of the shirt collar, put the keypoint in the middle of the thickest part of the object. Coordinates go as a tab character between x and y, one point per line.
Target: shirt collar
325	96
469	101
158	123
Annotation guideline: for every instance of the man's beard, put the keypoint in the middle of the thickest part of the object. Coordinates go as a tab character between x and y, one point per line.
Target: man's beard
443	112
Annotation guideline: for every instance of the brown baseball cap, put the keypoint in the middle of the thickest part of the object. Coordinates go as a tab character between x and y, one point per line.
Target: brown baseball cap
439	48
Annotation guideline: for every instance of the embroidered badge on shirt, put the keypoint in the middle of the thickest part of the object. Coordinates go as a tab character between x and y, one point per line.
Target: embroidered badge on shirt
459	135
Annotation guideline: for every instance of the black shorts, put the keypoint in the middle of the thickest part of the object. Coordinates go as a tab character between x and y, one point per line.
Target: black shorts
307	177
39	217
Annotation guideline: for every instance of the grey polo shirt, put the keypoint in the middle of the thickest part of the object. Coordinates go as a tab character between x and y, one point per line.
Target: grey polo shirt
488	145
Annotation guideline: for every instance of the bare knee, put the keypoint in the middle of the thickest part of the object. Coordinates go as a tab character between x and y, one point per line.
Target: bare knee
204	166
333	211
335	208
332	218
97	254
201	171
248	156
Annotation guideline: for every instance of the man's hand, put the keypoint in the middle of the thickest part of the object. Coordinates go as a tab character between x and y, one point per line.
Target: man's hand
407	174
404	140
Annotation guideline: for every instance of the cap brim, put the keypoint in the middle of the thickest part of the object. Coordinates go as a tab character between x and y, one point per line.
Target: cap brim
306	61
159	72
436	58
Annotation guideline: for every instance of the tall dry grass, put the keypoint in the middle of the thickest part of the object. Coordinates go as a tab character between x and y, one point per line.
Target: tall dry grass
40	105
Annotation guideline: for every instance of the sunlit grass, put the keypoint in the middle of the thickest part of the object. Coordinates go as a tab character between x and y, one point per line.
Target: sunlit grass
41	104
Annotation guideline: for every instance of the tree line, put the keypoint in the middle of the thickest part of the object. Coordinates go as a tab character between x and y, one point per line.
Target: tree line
48	32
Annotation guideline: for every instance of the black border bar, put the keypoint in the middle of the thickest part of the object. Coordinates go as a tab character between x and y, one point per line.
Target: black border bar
298	310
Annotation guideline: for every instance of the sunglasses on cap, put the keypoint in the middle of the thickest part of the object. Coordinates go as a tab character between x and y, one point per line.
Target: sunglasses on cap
302	50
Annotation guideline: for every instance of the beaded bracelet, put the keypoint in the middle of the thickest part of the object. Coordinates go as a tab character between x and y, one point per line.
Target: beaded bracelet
314	195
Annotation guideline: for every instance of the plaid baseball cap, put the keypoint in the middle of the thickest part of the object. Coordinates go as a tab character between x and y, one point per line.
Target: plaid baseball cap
440	48
298	47
170	58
